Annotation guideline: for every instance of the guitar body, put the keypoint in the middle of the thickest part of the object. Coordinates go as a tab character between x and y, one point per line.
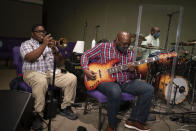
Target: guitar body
102	74
142	69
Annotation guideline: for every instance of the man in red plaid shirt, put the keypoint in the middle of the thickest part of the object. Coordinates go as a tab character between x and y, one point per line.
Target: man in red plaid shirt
119	49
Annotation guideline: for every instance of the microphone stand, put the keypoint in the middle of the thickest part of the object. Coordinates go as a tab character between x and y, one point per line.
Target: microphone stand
96	31
169	24
52	103
189	78
85	28
174	99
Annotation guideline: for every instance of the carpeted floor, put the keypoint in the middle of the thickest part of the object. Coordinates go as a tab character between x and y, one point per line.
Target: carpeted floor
89	121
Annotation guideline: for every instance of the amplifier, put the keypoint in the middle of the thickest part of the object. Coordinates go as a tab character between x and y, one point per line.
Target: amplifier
76	57
76	69
16	110
73	67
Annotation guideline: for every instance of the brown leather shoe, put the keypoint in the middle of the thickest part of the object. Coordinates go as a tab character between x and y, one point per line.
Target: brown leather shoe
109	129
136	125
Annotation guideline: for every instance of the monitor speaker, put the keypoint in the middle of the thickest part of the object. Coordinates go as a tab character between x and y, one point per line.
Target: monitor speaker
16	110
76	57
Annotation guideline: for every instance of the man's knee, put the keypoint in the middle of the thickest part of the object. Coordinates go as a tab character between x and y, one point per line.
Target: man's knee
74	78
151	89
116	93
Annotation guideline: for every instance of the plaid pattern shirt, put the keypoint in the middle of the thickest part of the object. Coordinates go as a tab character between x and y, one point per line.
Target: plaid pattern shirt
44	63
103	53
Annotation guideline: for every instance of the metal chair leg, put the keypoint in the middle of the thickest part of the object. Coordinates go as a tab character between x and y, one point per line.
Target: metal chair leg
100	114
85	107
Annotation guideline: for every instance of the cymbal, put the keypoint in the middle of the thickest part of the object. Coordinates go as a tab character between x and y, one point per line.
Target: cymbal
193	42
141	37
150	47
185	43
185	52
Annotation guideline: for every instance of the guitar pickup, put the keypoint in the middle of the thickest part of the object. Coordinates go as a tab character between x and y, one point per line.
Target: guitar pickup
99	73
87	78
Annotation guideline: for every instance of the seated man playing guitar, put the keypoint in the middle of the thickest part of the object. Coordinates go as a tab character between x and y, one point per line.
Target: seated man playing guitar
112	82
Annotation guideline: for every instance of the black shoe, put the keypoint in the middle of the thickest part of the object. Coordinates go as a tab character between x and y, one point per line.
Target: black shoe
37	122
67	112
81	128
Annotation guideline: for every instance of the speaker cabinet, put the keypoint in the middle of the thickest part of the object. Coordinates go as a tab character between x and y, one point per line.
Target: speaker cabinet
16	111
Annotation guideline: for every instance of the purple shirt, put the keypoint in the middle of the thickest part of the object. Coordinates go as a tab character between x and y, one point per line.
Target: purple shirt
44	63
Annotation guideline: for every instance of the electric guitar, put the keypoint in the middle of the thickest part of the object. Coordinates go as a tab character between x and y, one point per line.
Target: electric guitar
104	71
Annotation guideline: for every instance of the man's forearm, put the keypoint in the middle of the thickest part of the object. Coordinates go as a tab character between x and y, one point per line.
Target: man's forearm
35	54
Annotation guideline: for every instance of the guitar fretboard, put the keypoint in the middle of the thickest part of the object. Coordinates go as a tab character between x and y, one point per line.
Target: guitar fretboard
125	66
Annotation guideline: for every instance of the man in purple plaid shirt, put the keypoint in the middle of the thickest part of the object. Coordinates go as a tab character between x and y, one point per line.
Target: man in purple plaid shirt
38	54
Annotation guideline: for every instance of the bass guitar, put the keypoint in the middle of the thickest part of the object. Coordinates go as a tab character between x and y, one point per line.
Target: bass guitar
104	71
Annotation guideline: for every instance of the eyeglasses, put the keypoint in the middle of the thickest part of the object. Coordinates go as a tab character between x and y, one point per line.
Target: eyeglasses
40	31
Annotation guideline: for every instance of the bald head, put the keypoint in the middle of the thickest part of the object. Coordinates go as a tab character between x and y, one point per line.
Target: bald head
123	37
155	30
123	40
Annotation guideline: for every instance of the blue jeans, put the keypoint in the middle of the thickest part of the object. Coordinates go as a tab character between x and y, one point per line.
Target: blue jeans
113	91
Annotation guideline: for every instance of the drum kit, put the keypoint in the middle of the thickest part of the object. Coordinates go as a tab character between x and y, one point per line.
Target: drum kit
159	73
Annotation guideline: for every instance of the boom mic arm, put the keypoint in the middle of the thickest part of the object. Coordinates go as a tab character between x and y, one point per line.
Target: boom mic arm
172	13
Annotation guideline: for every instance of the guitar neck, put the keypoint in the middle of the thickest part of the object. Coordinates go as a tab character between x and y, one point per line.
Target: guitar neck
125	66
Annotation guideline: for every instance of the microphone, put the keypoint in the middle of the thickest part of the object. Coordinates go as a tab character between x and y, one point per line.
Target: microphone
172	13
97	26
